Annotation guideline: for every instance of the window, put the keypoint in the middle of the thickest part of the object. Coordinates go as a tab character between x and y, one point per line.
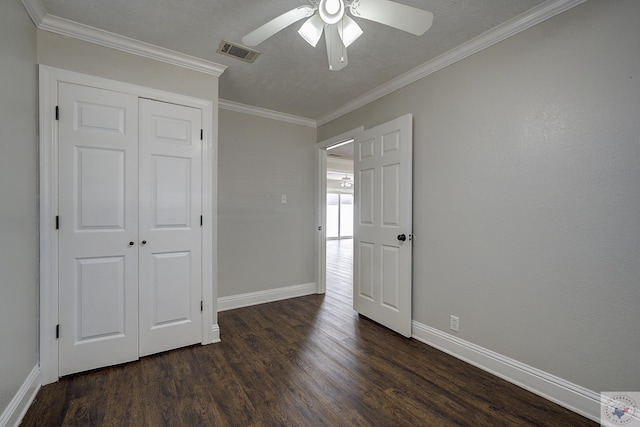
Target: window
339	216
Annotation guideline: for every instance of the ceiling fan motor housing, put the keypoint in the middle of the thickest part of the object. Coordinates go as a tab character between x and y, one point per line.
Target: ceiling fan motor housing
331	11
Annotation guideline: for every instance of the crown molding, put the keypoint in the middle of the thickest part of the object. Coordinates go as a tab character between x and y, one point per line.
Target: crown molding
266	114
497	34
57	25
35	9
65	27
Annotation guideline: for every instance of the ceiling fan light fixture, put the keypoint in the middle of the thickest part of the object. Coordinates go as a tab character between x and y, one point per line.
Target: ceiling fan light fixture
340	30
349	31
331	11
311	30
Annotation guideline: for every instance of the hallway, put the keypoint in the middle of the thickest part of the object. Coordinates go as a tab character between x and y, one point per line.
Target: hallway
340	268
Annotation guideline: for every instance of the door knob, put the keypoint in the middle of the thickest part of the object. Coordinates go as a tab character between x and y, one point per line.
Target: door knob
402	237
144	242
131	243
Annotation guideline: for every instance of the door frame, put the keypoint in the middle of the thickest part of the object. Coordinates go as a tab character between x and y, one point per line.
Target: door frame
49	77
321	205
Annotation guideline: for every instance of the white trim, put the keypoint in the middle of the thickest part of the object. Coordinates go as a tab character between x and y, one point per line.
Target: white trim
266	114
321	221
210	221
49	78
350	134
35	9
573	397
215	333
261	297
210	248
65	27
48	235
18	406
495	35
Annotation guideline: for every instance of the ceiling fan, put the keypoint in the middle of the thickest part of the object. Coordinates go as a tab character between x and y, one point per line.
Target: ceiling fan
340	30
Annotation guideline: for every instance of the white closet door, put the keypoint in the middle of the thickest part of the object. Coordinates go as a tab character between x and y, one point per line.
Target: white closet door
98	220
170	231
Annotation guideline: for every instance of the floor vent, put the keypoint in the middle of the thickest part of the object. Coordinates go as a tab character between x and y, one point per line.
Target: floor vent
237	51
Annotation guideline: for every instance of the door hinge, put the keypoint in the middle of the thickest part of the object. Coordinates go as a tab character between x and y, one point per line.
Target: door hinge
201	220
201	134
57	331
57	222
201	306
57	113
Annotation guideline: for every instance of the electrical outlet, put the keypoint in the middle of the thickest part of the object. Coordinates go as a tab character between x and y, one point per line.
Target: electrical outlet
455	323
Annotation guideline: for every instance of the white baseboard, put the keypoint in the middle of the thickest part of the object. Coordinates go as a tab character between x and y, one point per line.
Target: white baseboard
18	406
215	333
261	297
573	397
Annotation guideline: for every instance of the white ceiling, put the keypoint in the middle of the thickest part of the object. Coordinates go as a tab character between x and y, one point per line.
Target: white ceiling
289	76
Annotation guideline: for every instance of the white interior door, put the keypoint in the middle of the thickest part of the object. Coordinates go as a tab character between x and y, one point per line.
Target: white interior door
170	228
98	228
383	224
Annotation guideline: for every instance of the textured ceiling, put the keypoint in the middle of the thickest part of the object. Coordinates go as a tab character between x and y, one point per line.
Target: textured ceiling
289	76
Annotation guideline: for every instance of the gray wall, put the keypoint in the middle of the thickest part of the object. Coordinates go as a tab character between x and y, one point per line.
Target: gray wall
262	243
527	194
18	192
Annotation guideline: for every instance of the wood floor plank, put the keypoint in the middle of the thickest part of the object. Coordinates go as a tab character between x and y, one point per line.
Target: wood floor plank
309	361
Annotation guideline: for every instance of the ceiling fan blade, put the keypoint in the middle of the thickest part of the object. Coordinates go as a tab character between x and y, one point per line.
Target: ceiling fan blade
336	52
407	18
265	31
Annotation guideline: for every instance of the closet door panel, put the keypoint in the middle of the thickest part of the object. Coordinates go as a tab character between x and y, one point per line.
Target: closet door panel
98	219
170	232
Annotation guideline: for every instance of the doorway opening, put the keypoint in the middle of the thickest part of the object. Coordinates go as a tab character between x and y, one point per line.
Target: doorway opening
339	220
335	148
381	281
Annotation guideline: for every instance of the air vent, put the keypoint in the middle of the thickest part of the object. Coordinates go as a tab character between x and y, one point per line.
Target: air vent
237	51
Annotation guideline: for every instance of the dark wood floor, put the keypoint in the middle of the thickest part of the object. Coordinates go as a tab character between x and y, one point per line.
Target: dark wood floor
340	270
308	361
